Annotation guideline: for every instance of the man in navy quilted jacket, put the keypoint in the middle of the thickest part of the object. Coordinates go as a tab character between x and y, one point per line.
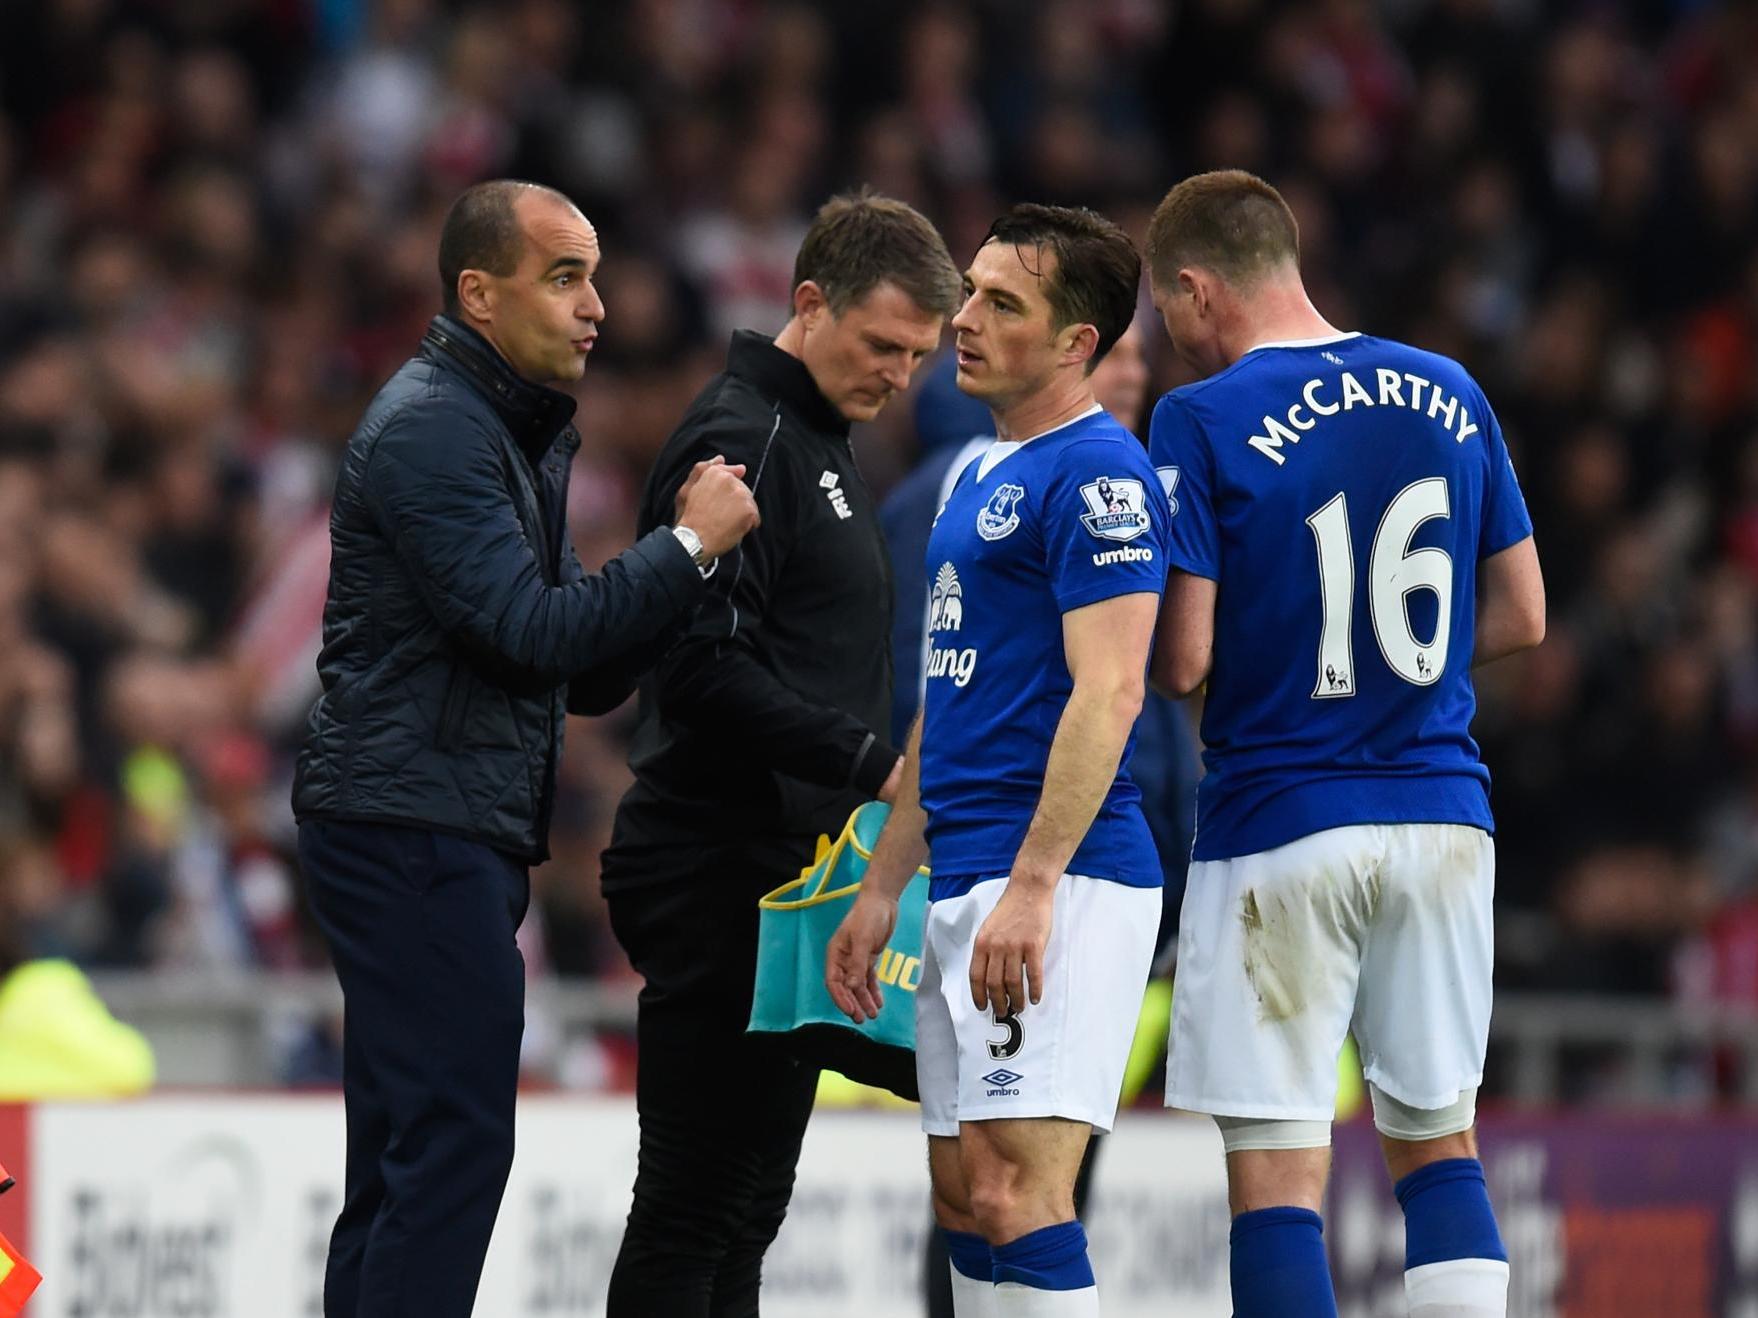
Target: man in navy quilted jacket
458	632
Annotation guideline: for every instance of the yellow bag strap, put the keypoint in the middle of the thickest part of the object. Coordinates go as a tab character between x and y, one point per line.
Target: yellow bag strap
855	842
823	862
823	866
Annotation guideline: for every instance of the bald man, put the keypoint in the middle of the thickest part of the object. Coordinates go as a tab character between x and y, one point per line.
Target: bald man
458	632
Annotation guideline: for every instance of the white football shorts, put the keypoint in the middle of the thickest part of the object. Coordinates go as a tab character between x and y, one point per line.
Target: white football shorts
1063	1056
1383	930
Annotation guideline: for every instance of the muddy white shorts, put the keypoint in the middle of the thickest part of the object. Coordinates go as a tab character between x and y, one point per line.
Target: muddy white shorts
1383	930
1063	1056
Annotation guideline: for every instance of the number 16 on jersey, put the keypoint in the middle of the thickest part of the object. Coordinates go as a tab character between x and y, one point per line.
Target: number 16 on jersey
1394	572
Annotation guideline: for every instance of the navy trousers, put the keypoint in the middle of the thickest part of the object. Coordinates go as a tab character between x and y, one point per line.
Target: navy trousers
421	928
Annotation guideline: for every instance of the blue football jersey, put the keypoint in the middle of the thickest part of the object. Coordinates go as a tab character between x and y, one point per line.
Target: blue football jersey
1030	531
1340	492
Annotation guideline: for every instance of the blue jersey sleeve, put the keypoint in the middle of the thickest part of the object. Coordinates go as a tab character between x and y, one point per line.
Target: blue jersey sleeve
1102	525
1505	519
1185	467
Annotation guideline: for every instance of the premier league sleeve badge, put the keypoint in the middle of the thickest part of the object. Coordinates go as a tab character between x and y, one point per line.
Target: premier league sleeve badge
1116	508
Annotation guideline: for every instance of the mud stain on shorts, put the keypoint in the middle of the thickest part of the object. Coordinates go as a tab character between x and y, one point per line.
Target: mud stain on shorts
1271	961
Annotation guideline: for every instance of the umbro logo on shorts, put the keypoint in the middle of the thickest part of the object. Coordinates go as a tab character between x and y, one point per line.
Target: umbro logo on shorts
1004	1083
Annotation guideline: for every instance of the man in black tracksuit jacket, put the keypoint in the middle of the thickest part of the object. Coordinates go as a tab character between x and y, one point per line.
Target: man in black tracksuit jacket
458	628
762	729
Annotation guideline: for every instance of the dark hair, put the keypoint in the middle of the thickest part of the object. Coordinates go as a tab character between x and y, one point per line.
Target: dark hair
860	240
1227	221
1098	271
482	232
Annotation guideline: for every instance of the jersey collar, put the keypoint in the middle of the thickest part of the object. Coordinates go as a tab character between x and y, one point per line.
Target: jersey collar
1002	449
1319	342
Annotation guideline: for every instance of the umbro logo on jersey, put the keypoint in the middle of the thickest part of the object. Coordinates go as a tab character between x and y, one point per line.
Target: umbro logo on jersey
829	482
1124	554
1332	358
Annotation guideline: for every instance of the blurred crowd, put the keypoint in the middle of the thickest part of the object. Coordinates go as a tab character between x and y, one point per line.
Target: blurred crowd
218	223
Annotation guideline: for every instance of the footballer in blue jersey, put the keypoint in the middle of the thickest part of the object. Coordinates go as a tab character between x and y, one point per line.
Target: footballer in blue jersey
1345	481
1030	532
1046	565
1347	540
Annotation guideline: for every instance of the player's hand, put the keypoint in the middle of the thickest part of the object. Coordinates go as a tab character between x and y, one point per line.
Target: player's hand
850	966
695	477
1007	961
715	504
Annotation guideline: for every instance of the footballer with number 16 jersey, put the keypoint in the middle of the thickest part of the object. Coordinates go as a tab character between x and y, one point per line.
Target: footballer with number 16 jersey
1347	540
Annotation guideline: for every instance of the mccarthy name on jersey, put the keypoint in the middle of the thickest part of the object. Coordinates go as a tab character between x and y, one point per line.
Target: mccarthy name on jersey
1322	397
1341	493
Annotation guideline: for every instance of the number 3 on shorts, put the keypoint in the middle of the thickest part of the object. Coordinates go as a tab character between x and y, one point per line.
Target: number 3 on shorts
1010	1046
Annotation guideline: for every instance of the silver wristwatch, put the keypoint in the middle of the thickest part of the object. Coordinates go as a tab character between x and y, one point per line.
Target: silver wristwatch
692	544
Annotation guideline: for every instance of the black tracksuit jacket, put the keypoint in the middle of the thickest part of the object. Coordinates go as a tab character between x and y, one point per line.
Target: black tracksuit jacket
765	726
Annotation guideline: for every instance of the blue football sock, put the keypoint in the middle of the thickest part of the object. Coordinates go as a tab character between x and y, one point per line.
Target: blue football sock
1279	1267
1046	1274
1447	1214
1053	1258
1454	1261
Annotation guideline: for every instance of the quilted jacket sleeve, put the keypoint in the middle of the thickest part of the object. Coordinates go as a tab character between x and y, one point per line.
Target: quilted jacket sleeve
613	678
435	485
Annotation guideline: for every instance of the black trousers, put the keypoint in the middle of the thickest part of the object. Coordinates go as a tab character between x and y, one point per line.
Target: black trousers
722	1112
421	927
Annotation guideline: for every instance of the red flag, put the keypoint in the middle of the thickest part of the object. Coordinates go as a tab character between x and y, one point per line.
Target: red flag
17	1280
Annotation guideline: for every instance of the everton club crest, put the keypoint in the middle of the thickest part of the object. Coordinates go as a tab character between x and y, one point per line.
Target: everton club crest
1000	516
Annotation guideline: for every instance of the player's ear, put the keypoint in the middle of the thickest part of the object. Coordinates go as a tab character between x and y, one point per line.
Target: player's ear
1196	287
1079	343
475	294
809	301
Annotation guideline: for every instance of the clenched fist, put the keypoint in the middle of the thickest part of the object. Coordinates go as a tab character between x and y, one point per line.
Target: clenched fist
715	504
